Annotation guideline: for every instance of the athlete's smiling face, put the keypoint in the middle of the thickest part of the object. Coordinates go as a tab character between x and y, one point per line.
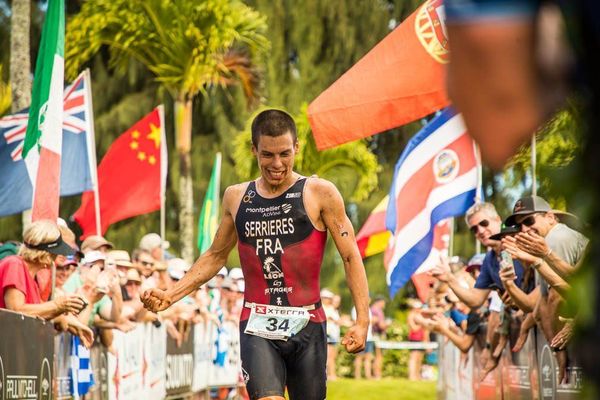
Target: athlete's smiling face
275	157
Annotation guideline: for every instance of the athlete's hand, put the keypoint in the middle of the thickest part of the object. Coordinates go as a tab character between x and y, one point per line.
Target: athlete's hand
156	300
355	339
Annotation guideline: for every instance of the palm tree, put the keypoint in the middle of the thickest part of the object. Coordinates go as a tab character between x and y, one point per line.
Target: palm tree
20	61
20	66
352	167
189	45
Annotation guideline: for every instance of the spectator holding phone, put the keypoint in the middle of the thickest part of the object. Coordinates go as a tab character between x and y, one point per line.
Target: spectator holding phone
484	222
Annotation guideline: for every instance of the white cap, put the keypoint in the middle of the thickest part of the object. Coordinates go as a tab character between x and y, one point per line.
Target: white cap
223	271
93	256
236	273
151	241
177	267
327	294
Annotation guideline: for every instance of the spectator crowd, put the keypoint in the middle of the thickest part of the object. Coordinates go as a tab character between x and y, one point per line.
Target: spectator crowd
522	280
97	287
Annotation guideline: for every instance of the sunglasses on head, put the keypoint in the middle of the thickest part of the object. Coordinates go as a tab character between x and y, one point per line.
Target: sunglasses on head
147	263
484	223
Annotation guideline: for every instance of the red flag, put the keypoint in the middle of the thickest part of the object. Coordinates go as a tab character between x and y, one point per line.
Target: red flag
129	176
373	237
400	80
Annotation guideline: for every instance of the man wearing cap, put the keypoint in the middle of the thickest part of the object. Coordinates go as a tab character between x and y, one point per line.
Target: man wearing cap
103	294
96	242
153	243
280	223
545	237
554	250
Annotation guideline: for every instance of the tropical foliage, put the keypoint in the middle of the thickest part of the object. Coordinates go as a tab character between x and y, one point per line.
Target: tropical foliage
188	46
231	57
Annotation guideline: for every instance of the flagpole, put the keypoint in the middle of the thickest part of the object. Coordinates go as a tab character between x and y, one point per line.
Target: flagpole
91	148
479	189
163	178
533	166
451	241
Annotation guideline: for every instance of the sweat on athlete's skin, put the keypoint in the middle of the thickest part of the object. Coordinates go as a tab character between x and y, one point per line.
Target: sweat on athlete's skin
277	220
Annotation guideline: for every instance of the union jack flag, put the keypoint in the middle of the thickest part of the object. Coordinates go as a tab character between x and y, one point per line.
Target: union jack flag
16	190
15	126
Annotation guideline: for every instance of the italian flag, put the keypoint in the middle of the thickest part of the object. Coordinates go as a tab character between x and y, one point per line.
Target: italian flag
43	140
209	216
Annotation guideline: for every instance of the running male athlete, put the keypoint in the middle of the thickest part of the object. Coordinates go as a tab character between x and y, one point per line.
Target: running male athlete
280	222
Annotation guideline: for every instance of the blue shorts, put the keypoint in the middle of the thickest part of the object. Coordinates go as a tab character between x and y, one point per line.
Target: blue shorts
458	11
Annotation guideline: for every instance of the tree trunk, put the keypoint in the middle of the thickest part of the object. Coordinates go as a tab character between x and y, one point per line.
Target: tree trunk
20	64
183	133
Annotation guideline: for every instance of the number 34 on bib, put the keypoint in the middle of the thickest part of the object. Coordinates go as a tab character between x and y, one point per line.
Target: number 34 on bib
276	323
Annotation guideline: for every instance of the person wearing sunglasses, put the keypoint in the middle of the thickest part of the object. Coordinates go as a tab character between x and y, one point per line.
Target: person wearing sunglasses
484	222
144	262
545	236
554	250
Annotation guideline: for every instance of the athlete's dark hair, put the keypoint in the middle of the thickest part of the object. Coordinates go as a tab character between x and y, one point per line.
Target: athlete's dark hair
273	123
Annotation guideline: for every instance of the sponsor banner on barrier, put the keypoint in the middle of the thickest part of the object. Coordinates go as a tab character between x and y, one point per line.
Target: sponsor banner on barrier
125	370
180	364
550	389
519	370
99	357
25	360
202	360
62	349
455	373
154	361
225	355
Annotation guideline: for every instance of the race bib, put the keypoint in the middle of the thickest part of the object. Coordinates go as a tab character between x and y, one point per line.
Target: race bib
275	322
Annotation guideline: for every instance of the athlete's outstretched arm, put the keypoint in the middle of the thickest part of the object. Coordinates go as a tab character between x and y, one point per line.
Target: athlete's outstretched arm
205	267
337	222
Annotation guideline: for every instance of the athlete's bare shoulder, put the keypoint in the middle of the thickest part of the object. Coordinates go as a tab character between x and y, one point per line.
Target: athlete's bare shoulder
322	191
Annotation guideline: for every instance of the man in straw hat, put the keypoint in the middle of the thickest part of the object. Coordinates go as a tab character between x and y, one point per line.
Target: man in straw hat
554	250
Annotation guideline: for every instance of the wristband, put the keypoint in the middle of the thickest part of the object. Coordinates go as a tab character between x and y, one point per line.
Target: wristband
548	254
537	264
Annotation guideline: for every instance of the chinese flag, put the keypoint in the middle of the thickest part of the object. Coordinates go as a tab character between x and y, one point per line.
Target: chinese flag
400	80
129	176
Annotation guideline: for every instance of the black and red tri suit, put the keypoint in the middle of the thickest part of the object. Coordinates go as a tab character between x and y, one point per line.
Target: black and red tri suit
280	250
281	254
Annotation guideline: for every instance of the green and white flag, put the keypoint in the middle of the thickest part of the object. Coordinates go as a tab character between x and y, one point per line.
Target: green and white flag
209	217
43	140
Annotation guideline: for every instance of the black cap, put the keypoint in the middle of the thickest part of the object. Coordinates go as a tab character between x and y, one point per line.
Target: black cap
527	205
505	231
57	247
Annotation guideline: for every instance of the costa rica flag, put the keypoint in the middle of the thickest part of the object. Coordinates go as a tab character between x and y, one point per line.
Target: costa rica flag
436	177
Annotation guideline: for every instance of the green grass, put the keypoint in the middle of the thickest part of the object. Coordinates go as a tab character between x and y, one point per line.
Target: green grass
387	389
